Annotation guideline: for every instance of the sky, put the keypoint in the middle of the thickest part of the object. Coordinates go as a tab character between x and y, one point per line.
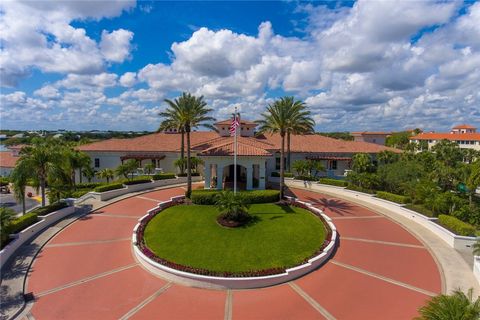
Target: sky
364	65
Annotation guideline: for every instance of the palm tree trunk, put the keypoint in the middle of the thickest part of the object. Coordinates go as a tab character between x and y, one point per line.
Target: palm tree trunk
182	152
42	187
288	153
282	165
189	168
80	175
24	209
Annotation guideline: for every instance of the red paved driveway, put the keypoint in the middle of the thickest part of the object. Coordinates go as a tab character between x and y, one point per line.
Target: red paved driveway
380	271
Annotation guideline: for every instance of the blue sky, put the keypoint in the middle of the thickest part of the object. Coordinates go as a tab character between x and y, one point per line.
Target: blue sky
366	65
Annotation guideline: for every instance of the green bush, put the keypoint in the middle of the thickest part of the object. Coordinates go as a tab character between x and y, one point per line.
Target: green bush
334	182
77	194
285	174
456	226
194	174
50	208
393	197
420	209
108	187
89	185
137	181
255	196
163	176
306	178
23	222
360	189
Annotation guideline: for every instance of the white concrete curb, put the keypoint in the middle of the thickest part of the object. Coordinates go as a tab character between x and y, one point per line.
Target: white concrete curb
204	281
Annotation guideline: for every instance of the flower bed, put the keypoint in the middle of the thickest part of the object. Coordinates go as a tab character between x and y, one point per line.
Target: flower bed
140	243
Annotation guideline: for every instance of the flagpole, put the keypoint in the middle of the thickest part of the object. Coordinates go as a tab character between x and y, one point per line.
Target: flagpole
235	155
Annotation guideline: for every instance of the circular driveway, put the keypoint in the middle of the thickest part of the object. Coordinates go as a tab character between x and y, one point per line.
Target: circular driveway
88	271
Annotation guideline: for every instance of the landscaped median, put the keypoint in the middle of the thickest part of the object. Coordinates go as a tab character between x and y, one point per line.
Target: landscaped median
115	189
25	227
185	243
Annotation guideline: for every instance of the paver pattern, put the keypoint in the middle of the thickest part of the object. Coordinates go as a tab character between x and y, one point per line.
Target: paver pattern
87	271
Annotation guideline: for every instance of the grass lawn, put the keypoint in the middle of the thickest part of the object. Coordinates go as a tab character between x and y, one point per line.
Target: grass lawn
280	237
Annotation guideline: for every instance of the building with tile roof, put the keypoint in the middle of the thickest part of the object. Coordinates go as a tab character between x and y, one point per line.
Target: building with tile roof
258	155
464	135
8	159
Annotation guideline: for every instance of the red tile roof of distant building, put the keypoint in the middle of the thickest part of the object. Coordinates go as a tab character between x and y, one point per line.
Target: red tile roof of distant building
370	133
7	160
464	126
447	136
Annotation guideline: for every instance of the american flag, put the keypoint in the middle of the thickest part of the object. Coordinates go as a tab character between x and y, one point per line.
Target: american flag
235	124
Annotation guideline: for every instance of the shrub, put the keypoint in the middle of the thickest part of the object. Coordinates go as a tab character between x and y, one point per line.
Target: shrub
163	176
23	222
456	226
256	196
79	193
137	181
360	189
194	174
50	208
276	174
334	182
393	197
306	178
420	209
89	185
108	187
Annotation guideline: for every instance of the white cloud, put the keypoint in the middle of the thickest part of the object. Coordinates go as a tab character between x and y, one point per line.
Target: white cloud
115	46
128	79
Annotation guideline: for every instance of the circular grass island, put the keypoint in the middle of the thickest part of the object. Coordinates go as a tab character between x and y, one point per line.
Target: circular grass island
188	238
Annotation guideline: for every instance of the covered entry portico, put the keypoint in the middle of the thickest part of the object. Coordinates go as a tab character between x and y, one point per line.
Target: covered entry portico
250	172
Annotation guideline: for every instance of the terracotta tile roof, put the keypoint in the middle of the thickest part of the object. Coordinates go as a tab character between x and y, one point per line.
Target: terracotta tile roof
7	160
464	126
203	140
227	149
164	142
229	122
447	136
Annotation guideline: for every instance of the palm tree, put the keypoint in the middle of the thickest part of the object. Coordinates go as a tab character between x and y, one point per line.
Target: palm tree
127	168
458	306
174	120
76	160
299	122
88	172
361	162
19	178
473	180
149	168
189	112
42	159
106	174
277	120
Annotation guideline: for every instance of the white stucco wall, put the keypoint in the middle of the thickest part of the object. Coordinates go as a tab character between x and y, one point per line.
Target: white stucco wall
5	171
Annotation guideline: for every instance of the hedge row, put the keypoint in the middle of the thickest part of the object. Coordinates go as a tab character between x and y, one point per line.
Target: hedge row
393	197
23	222
108	187
194	174
334	182
137	181
163	176
420	209
209	197
306	178
360	189
456	226
285	174
89	185
50	208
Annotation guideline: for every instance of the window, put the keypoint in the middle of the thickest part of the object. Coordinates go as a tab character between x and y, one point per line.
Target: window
277	162
333	165
97	163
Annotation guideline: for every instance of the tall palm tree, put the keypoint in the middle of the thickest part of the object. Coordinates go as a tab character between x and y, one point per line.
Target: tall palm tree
42	159
19	178
473	180
299	122
458	306
277	120
77	160
174	120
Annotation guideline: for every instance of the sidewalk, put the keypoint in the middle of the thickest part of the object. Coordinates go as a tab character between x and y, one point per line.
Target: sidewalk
15	272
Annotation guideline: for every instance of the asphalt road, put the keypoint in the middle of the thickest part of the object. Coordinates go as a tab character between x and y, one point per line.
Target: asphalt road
8	201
